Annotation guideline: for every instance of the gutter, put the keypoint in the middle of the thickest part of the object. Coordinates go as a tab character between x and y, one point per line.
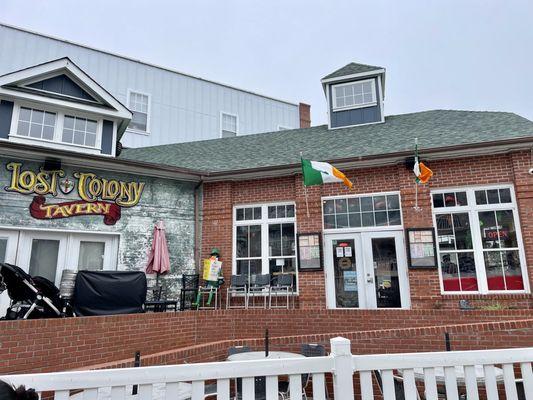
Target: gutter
108	163
447	152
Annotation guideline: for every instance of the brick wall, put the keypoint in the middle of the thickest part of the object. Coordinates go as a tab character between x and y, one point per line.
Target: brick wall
62	344
220	197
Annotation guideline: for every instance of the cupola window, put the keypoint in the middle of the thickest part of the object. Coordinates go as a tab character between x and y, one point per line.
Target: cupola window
354	94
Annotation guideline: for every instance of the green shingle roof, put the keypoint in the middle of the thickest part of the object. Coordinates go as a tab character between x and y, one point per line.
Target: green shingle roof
434	129
350	69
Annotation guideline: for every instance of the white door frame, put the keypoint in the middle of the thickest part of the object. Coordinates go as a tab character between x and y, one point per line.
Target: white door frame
12	237
110	249
364	262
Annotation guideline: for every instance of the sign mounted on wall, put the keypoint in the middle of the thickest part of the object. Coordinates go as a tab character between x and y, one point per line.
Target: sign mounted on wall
99	196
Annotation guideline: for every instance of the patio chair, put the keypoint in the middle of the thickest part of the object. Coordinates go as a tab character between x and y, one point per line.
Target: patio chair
159	303
259	287
308	350
284	285
189	291
238	350
238	287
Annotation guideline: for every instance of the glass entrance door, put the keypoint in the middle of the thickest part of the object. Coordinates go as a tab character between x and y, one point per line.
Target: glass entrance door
386	270
366	270
345	268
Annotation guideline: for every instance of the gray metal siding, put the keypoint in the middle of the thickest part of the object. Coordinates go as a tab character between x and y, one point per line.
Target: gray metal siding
6	113
356	116
183	108
107	137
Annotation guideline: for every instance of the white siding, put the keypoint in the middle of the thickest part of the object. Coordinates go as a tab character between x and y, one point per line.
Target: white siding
183	108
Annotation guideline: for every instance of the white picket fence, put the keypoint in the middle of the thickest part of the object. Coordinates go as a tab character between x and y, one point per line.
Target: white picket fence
420	375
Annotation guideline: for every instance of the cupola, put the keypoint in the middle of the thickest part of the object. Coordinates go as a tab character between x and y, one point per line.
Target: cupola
355	95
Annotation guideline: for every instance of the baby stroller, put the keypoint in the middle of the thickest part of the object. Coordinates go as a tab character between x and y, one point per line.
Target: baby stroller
31	298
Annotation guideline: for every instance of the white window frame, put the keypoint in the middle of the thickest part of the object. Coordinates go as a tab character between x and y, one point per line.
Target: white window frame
148	113
56	142
264	222
362	228
472	209
222	113
354	106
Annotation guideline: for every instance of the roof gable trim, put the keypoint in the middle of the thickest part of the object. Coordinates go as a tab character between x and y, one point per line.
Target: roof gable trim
63	66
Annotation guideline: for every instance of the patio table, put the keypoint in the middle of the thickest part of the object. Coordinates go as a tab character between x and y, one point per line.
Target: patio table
260	355
459	374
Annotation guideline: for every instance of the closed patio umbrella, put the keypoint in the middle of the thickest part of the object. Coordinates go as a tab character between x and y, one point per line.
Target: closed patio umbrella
158	259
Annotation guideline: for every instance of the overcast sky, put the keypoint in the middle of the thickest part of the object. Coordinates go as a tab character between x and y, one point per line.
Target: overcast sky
451	54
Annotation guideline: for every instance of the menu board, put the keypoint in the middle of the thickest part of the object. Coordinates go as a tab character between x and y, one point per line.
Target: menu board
421	248
309	251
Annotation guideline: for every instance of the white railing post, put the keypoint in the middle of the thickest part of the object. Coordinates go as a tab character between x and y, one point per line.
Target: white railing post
342	369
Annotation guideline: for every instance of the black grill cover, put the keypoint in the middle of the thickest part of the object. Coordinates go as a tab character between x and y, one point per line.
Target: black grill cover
109	292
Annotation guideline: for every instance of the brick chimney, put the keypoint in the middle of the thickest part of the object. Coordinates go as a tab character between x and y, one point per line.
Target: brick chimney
305	115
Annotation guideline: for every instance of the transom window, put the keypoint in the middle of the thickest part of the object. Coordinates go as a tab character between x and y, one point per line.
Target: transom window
449	199
355	94
265	240
80	131
36	124
139	104
478	240
228	125
362	211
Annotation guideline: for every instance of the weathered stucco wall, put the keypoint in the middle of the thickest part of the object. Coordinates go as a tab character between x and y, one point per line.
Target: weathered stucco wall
162	200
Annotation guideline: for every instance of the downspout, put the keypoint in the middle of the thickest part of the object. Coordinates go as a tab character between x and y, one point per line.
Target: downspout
197	236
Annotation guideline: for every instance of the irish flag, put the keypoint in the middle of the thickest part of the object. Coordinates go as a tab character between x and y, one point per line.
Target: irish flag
317	173
422	173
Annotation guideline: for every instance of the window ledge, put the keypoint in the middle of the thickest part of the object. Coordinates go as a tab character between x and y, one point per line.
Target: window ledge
355	107
488	296
56	145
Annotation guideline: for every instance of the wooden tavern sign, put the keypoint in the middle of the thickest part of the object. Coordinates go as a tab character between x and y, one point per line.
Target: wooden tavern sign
99	196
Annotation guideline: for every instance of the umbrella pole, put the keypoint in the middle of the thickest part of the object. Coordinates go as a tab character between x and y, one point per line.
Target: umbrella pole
266	342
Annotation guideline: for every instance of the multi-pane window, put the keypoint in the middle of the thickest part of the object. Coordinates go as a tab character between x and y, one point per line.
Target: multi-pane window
139	104
354	94
36	124
456	252
228	125
500	250
80	131
362	211
478	243
265	240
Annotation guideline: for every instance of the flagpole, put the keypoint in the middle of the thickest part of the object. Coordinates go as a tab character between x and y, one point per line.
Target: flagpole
305	188
416	182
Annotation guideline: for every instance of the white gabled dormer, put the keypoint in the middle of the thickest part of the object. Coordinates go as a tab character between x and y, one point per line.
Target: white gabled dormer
57	105
355	95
